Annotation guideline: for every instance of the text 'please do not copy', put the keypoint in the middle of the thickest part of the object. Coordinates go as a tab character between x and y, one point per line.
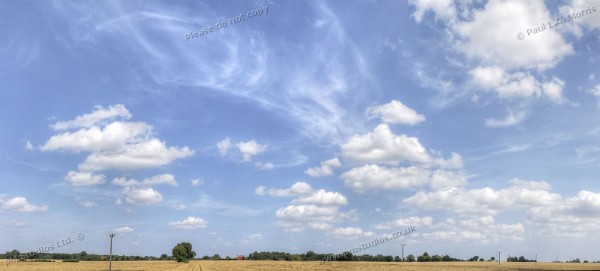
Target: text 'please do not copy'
221	24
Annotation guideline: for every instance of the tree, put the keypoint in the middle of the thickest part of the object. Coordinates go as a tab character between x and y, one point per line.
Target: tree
216	257
346	256
310	255
424	258
183	252
447	258
164	257
492	259
410	258
13	254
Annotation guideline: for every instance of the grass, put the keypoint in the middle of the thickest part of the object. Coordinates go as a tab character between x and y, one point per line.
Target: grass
290	266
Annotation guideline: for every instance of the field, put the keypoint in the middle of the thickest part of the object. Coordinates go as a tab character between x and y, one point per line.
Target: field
288	266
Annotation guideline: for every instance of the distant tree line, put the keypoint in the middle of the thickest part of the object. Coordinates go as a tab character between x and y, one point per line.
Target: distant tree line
519	259
346	256
270	256
435	258
82	256
578	261
312	256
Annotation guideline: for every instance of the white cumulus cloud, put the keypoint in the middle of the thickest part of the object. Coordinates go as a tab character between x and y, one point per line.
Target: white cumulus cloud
350	233
406	222
99	114
501	46
318	210
375	177
395	112
510	120
520	194
77	178
250	148
123	230
20	204
113	144
190	223
142	196
323	197
197	182
224	146
326	168
308	212
441	8
516	84
167	179
148	154
383	146
298	188
246	149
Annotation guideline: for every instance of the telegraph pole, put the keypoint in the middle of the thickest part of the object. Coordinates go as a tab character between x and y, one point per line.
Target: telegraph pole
536	258
110	255
499	257
403	245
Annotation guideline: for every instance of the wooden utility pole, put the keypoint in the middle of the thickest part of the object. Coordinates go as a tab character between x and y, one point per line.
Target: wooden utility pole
403	245
499	257
110	255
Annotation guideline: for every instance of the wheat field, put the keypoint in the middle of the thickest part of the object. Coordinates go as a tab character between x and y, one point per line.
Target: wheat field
288	266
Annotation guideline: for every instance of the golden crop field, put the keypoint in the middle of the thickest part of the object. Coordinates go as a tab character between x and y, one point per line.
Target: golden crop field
288	266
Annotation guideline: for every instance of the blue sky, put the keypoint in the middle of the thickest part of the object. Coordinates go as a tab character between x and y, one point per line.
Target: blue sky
317	125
